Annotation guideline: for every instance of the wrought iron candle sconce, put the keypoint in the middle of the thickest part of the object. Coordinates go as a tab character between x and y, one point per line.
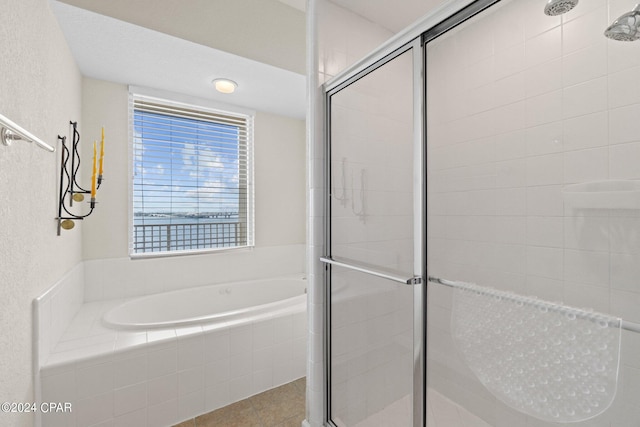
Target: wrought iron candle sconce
68	180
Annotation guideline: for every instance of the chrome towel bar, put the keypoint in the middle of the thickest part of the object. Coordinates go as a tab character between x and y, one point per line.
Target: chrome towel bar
12	132
416	280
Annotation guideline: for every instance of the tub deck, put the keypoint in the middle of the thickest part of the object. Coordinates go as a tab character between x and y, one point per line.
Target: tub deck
169	374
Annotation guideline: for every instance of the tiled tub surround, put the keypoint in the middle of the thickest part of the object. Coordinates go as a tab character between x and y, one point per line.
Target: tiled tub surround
163	376
54	310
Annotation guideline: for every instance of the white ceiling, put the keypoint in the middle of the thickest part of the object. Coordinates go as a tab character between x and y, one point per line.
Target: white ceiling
392	15
109	49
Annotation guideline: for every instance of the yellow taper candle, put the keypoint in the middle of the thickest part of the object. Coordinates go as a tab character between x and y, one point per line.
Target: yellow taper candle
93	177
101	152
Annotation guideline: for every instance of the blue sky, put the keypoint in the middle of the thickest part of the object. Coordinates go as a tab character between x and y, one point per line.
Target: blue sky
185	165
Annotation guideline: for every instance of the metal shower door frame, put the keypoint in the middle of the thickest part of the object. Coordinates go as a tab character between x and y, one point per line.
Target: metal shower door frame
417	280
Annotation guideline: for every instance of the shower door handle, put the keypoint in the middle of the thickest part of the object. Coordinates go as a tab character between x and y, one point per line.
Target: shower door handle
415	280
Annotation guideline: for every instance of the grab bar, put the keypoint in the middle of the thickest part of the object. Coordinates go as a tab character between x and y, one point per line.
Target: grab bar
12	132
624	324
415	280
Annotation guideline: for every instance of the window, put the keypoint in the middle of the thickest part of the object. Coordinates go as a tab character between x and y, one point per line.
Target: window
192	177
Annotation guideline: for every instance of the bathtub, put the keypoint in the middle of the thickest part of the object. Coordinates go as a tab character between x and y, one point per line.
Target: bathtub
161	359
207	304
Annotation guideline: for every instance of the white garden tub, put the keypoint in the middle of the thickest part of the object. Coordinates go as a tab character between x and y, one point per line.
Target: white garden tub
207	304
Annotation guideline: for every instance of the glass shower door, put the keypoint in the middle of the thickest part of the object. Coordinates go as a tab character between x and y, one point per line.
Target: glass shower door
374	246
533	254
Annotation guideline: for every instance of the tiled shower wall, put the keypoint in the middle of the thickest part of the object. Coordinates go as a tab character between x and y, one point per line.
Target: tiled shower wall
520	105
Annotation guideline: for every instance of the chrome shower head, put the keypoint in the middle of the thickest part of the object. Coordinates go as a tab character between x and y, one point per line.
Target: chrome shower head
558	7
626	28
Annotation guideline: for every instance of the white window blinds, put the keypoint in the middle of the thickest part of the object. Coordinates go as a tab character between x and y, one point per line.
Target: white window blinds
192	177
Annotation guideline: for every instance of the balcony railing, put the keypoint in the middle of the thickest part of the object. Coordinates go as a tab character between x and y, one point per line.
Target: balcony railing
187	236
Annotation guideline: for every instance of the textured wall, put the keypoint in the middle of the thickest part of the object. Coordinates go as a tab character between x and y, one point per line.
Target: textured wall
39	90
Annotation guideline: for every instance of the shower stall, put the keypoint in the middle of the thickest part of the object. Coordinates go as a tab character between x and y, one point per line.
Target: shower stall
482	221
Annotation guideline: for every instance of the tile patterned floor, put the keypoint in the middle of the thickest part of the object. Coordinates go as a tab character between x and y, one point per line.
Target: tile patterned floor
282	406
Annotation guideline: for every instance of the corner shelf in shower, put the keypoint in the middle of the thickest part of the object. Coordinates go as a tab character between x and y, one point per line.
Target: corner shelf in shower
611	194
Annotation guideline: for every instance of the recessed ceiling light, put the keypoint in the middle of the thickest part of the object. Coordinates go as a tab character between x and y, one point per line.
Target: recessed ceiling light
225	85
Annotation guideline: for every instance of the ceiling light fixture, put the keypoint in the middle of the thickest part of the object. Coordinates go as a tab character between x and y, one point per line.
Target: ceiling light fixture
225	85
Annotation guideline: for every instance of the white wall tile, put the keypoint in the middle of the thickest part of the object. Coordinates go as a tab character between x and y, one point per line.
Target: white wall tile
94	380
509	145
623	161
94	409
543	47
510	229
240	365
190	352
586	267
623	124
162	389
544	170
510	201
625	305
547	288
191	380
545	200
240	340
507	119
585	64
509	61
216	345
130	398
589	233
132	419
216	373
544	139
543	78
262	334
261	381
545	262
240	387
586	131
130	371
621	55
61	387
624	88
625	272
585	98
624	235
579	33
586	165
218	396
587	296
542	109
508	90
162	362
165	413
537	21
545	231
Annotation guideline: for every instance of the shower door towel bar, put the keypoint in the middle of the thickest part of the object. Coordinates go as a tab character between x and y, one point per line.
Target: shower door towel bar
415	280
629	326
